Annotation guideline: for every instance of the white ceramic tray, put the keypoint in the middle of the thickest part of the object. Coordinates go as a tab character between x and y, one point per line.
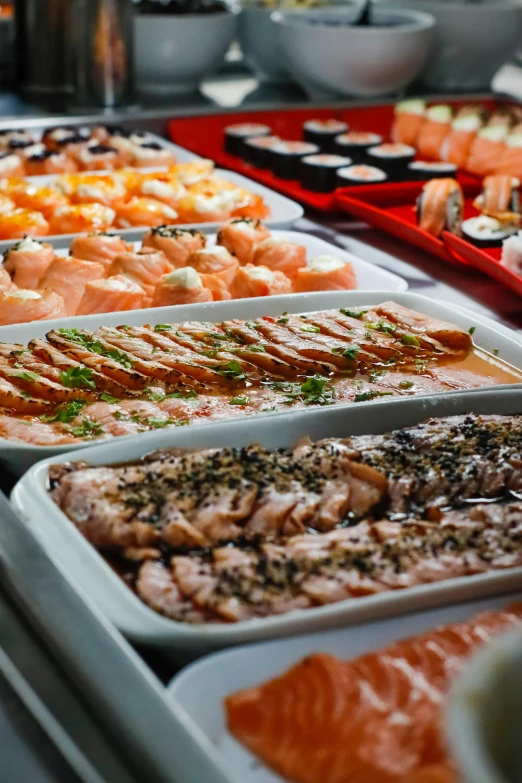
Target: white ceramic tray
201	688
20	456
89	572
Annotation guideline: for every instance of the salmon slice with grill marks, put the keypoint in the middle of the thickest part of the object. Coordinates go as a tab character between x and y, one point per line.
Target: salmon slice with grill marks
15	398
34	432
30	380
447	335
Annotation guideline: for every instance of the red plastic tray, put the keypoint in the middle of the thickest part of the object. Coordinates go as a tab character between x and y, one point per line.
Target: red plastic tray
391	207
487	260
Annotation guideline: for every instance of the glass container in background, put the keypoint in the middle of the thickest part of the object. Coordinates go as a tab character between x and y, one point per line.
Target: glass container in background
41	46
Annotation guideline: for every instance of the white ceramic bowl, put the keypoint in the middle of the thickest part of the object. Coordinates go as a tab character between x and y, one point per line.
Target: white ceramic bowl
472	40
328	57
175	53
484	720
261	49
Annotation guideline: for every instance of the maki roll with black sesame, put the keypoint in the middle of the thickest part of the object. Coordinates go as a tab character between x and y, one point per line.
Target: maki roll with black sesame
285	158
236	135
422	170
355	144
360	175
484	231
392	159
257	151
323	133
440	207
319	172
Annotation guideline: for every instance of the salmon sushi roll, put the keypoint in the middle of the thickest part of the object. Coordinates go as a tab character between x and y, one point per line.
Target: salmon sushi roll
44	200
325	273
199	208
280	255
183	286
510	161
28	261
6	284
8	136
253	281
63	137
145	268
251	205
440	206
112	295
487	149
22	306
241	237
68	277
150	154
176	243
99	157
219	289
191	173
6	204
49	162
143	212
408	121
96	189
434	131
77	218
22	222
11	165
500	198
215	261
165	188
100	247
464	128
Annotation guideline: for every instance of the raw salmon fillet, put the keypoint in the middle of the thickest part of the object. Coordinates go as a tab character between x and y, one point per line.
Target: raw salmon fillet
375	719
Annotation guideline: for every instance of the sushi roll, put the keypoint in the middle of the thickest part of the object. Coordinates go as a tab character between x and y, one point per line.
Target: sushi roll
323	133
22	222
440	206
457	144
241	237
423	170
27	262
510	161
145	267
325	273
257	150
360	175
487	149
75	218
512	253
484	231
393	159
253	281
49	162
115	294
236	135
354	145
23	306
99	157
434	131
500	198
150	154
175	243
285	158
409	118
100	247
280	254
183	286
67	276
11	165
319	172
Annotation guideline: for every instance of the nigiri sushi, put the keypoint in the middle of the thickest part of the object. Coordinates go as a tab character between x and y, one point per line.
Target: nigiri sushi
409	118
325	273
500	198
28	261
22	306
111	295
143	212
22	222
182	286
253	280
434	131
100	247
77	218
241	237
176	243
487	149
68	277
440	206
144	267
280	255
215	261
457	144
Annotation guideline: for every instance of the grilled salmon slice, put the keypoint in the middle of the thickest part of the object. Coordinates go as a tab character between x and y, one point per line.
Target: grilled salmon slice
14	398
33	432
38	385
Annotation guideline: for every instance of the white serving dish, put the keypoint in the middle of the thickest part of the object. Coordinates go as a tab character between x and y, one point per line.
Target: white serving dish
259	43
20	456
89	572
201	688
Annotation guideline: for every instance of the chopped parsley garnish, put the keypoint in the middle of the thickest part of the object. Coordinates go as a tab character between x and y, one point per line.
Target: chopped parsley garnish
230	370
77	378
162	327
190	394
95	346
106	397
19	353
28	376
348	353
87	429
370	395
471	329
405	384
410	339
383	326
282	321
156	424
310	328
256	348
211	353
66	413
267	410
316	390
352	313
243	400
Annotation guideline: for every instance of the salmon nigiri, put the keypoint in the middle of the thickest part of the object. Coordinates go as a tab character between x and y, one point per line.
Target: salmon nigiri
22	222
487	149
325	273
176	243
76	218
457	145
409	118
214	261
182	286
68	277
28	261
99	246
434	131
280	255
253	280
241	237
145	268
111	295
22	306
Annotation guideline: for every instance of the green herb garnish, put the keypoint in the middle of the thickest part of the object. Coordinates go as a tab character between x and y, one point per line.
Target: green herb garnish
410	339
348	353
26	375
471	329
405	384
162	327
352	313
106	397
66	413
243	400
310	328
371	395
87	429
383	326
78	377
230	370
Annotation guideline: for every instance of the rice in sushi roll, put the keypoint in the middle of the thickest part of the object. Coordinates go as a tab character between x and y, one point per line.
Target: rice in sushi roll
319	172
439	207
236	135
257	151
512	253
484	231
323	132
360	175
355	144
500	198
391	158
285	157
423	170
